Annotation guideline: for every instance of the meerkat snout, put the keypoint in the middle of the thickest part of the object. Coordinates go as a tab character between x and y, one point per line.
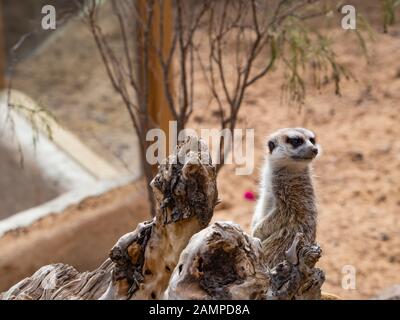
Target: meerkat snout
314	150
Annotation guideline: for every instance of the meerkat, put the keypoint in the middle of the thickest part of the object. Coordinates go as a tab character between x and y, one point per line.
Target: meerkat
286	204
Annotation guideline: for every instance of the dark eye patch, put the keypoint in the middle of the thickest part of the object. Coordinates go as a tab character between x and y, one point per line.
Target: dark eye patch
295	141
271	146
312	140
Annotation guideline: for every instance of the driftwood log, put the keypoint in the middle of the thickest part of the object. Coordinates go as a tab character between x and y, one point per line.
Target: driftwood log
223	262
176	256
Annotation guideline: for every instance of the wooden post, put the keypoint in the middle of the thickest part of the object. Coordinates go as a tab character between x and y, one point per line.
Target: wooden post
2	51
157	104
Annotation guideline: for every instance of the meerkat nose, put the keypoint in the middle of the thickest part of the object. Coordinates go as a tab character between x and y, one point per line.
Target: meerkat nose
314	151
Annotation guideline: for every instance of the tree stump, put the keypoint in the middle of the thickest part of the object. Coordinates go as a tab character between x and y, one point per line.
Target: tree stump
223	262
142	261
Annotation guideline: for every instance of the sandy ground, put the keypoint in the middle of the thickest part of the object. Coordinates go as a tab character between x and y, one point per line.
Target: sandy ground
357	176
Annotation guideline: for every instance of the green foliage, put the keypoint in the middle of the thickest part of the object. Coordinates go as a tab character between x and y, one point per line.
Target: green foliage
306	51
389	17
363	27
39	119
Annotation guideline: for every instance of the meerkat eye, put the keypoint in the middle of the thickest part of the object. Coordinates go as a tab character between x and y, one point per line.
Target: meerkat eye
295	142
271	146
312	140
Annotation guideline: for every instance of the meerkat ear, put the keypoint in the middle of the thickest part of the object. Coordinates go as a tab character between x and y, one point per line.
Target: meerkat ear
271	146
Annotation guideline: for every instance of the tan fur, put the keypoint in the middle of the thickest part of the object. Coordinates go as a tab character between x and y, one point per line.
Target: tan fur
287	203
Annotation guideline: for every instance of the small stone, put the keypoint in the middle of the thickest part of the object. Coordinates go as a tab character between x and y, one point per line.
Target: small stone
356	156
385	148
384	237
391	293
381	199
216	113
198	119
356	193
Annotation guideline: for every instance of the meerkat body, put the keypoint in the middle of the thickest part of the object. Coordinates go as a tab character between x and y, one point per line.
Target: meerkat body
286	204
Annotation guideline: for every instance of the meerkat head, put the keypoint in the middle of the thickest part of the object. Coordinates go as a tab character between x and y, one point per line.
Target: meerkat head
292	147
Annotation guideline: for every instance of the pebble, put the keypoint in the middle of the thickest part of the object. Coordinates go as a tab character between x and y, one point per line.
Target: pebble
356	156
384	237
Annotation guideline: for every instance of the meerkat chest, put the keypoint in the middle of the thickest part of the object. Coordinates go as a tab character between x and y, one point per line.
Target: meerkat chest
297	217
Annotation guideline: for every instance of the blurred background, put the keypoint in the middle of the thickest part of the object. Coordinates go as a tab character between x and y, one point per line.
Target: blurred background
356	120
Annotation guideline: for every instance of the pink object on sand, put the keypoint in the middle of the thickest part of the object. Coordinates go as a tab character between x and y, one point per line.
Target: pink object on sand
249	195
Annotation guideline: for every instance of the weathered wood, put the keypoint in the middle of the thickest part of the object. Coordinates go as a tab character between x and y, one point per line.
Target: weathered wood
61	282
222	262
142	261
296	277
